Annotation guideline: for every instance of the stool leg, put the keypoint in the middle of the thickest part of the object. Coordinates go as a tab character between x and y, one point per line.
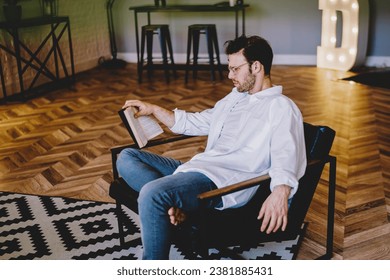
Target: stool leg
211	52
195	47
189	39
217	53
141	62
163	46
171	53
149	47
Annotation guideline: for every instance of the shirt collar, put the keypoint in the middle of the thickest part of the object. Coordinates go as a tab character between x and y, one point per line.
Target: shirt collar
274	90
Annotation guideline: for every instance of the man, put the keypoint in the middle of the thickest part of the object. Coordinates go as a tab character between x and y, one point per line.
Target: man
252	131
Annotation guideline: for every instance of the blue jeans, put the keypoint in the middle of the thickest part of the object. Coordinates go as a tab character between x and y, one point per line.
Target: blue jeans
152	176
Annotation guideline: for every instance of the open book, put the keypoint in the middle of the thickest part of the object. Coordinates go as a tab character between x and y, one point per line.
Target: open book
141	129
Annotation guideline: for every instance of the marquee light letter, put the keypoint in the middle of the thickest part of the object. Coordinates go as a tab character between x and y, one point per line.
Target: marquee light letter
353	47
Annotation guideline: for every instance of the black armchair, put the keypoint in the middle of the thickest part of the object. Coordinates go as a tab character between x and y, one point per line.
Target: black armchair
211	228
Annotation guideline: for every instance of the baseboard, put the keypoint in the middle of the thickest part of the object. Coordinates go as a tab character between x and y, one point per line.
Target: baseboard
279	59
378	61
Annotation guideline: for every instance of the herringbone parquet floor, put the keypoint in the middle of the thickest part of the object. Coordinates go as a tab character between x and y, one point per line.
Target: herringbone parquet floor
59	144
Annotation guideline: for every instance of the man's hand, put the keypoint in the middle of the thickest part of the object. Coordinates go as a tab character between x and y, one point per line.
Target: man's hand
176	216
274	210
144	109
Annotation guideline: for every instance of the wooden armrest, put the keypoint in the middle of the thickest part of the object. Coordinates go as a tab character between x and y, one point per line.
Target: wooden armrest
235	187
243	185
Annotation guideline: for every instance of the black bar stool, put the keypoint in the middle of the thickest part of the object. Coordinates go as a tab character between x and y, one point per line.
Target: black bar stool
194	32
148	31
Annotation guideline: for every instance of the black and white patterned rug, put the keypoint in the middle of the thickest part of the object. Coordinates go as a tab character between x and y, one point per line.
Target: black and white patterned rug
39	227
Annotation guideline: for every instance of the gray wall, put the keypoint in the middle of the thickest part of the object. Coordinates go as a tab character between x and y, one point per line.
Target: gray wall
379	37
293	27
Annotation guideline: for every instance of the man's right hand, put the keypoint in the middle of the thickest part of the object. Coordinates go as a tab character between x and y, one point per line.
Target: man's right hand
144	109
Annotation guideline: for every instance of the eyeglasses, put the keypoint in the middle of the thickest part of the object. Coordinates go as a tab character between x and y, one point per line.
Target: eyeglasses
235	69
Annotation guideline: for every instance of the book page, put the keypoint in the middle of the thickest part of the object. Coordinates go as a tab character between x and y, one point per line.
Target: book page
150	126
142	128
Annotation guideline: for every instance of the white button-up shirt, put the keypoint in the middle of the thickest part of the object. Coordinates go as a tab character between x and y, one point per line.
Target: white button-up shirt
248	136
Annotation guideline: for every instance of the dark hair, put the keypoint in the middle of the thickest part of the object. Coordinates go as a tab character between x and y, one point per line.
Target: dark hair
254	48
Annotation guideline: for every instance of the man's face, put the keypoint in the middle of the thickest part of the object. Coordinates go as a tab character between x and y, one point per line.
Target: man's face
240	73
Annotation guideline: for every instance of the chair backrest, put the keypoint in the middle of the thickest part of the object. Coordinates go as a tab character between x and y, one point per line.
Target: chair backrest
318	141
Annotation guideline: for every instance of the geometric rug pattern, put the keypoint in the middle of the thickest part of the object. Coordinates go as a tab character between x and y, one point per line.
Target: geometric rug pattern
41	227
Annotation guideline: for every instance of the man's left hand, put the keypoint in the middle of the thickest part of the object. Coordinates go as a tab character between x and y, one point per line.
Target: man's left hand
274	210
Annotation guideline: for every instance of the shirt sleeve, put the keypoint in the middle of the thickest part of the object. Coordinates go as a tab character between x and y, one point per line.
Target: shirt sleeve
288	153
197	124
192	123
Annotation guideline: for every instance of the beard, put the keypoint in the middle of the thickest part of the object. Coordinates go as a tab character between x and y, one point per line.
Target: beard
247	84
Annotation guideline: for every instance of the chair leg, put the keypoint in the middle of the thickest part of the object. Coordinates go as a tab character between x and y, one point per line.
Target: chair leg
204	253
120	219
331	206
